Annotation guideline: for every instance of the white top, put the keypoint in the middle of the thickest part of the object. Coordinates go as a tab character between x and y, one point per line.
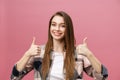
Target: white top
56	71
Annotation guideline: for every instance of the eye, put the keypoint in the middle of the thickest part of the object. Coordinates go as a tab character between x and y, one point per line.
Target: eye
53	24
63	25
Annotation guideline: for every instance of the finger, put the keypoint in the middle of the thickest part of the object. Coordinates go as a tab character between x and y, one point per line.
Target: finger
85	40
38	51
38	48
33	42
77	47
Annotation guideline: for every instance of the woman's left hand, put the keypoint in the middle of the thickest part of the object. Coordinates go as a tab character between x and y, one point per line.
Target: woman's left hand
83	49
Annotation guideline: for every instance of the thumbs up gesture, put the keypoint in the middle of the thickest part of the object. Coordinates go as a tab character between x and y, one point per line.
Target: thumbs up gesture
34	49
82	48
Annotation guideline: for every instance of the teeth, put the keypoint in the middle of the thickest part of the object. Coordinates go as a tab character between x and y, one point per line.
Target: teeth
57	34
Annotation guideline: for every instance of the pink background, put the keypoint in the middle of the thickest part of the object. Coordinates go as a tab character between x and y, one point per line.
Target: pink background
99	20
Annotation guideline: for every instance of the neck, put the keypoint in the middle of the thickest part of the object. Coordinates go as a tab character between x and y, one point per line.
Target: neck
58	45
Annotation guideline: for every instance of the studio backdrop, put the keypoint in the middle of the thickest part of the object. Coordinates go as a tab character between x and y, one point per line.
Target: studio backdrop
98	20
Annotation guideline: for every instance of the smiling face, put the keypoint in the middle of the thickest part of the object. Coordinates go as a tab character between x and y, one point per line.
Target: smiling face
60	28
57	27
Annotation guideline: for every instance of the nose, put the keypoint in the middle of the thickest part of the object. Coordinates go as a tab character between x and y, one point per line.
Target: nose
57	27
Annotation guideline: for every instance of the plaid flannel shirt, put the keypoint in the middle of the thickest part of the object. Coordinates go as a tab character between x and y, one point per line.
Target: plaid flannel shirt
82	64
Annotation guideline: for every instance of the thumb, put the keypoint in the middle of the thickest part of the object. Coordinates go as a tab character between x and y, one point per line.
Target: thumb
33	41
85	41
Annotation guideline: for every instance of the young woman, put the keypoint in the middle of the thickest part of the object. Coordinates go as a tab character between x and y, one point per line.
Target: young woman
59	59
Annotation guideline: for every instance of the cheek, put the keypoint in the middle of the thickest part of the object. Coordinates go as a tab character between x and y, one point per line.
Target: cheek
51	28
51	31
64	29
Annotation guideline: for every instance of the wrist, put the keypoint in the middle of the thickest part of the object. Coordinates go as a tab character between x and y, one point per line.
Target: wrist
89	54
27	54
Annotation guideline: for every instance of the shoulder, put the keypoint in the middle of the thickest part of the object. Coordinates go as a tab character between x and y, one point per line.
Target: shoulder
42	46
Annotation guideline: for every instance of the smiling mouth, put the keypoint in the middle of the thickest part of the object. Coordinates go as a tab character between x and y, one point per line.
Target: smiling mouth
57	34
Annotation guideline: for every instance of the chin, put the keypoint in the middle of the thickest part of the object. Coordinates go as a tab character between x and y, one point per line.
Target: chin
58	38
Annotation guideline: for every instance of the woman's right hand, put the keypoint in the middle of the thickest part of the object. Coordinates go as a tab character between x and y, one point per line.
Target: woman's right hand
34	49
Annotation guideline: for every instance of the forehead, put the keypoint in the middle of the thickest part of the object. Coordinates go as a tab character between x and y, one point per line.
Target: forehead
58	19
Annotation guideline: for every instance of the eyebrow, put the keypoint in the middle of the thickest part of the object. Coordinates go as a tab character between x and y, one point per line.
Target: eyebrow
55	22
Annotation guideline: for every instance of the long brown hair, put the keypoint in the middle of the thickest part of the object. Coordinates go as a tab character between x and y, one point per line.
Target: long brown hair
69	39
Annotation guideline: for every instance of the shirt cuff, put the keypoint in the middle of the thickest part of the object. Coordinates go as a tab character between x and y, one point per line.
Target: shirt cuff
104	71
15	72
